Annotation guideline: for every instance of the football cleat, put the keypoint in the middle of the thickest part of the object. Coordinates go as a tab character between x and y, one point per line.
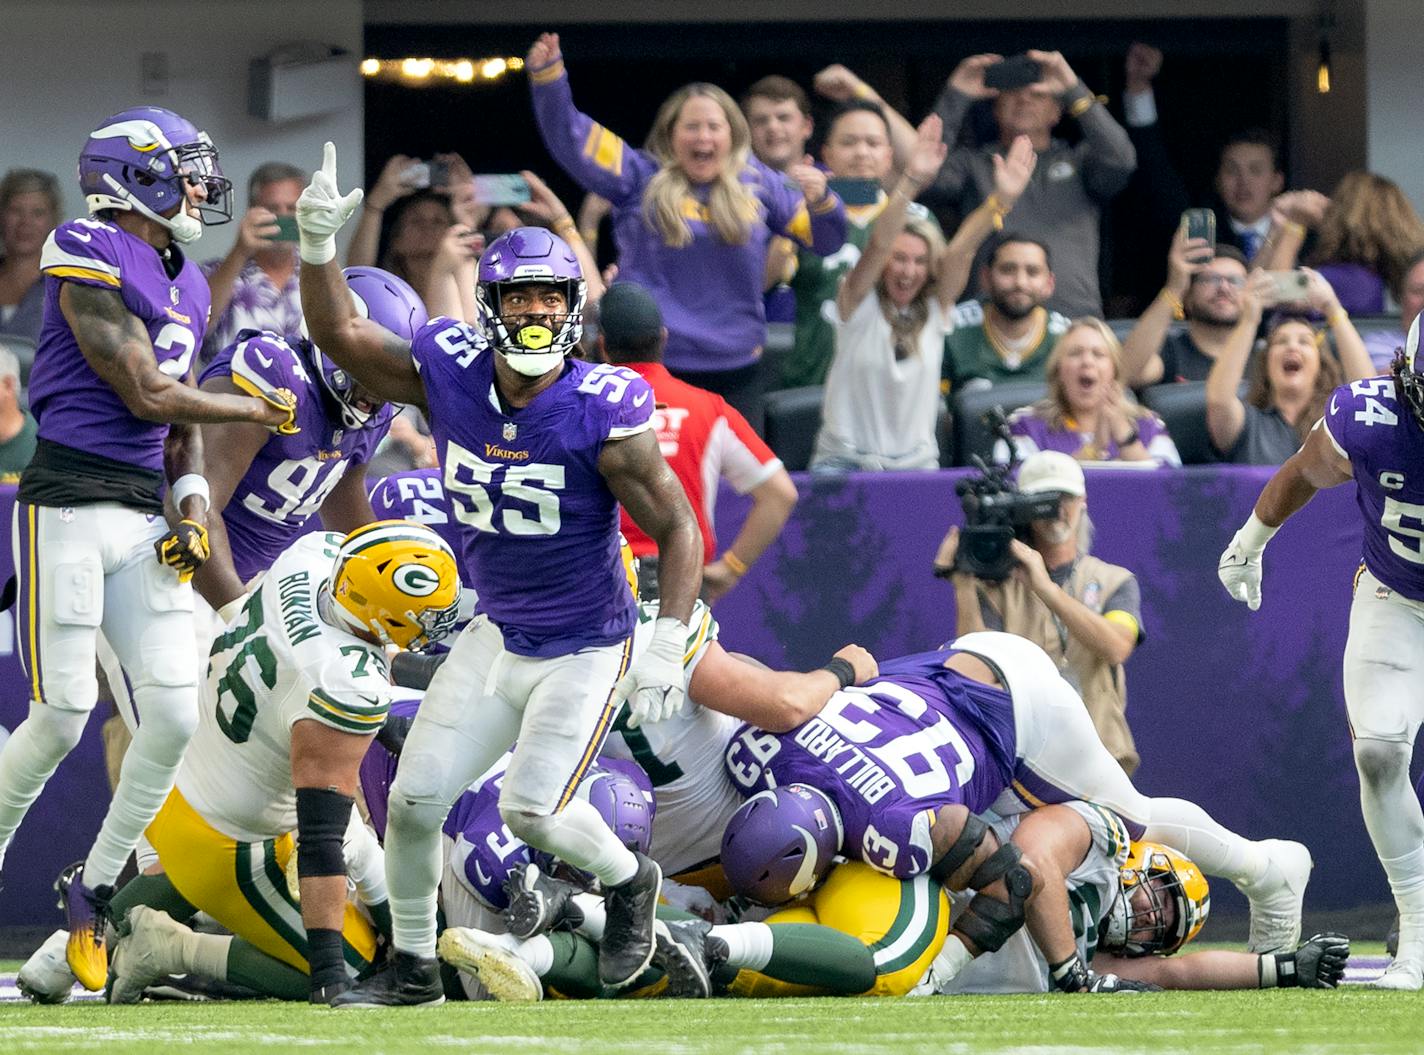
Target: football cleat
688	954
1277	896
1404	975
150	947
88	913
406	981
539	903
494	960
627	946
46	978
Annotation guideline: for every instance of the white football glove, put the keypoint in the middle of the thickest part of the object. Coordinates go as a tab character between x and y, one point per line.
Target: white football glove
1240	566
322	210
656	685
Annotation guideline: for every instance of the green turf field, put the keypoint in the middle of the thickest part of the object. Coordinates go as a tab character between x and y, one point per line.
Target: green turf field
1160	1024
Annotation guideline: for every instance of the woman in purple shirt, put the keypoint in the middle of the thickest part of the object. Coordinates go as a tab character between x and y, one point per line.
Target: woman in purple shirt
1087	413
692	215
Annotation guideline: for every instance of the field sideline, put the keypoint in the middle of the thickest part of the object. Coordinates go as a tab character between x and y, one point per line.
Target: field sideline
1354	1020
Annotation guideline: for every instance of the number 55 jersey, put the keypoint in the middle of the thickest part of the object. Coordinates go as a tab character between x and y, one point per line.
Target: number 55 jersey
539	524
276	663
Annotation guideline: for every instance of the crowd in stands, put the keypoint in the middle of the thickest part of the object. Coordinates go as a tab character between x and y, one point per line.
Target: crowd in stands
865	297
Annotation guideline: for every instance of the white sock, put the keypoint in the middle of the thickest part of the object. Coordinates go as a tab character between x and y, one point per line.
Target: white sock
206	954
578	835
952	959
1406	880
538	953
1218	851
749	945
595	916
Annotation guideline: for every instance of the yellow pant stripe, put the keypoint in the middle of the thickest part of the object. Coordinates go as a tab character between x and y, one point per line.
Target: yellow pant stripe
600	730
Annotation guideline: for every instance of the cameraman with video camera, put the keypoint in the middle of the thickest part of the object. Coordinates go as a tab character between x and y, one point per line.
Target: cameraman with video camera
1022	566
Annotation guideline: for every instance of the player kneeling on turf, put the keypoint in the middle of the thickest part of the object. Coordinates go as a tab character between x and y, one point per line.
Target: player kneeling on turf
297	687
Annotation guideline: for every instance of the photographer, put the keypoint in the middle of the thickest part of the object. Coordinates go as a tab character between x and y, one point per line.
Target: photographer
1084	612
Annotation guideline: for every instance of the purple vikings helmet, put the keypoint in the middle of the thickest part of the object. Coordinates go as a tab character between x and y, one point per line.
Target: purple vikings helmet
530	255
388	301
781	843
623	796
143	158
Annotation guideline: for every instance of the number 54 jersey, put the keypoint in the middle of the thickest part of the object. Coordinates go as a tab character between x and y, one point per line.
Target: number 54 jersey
889	754
1372	427
276	663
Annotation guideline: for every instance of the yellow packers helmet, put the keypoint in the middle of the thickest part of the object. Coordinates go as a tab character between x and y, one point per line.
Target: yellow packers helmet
630	564
1162	902
397	580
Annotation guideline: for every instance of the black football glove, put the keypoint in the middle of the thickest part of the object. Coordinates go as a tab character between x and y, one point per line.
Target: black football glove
1111	983
1072	976
184	549
1319	963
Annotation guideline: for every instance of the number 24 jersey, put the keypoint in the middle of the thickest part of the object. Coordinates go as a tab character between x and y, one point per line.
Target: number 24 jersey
539	523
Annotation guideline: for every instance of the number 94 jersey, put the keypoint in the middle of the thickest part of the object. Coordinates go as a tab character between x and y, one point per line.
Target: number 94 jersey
538	522
290	477
1374	429
890	754
275	664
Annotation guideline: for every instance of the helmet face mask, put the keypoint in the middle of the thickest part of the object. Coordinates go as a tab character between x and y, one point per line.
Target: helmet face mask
781	843
536	342
1162	903
145	160
1409	376
398	583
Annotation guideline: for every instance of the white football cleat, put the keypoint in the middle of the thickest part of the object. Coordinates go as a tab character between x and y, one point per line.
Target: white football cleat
46	977
152	949
1406	975
494	960
1277	896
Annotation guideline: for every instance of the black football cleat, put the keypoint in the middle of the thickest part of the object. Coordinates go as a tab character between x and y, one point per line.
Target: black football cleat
407	981
539	903
688	954
627	946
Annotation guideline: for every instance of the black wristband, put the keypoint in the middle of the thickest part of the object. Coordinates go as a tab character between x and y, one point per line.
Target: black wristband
1284	971
842	669
1070	976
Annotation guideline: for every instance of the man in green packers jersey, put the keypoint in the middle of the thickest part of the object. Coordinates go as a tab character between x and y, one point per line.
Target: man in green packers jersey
858	147
1006	337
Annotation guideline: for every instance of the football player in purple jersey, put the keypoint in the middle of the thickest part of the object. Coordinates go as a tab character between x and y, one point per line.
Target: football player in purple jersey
538	452
901	765
267	487
1372	432
112	392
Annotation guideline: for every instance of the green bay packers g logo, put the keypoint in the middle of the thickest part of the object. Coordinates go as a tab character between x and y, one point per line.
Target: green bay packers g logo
416	580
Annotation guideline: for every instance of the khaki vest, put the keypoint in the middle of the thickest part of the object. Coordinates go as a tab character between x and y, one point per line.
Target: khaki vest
1102	685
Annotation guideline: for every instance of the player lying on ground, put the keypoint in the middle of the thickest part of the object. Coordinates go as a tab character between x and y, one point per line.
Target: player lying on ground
987	723
297	688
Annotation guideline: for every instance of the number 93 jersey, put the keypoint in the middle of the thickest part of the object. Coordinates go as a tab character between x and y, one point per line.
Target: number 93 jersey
890	754
1372	427
290	476
276	663
539	525
75	406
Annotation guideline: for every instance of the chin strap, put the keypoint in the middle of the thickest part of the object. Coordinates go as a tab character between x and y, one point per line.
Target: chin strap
184	228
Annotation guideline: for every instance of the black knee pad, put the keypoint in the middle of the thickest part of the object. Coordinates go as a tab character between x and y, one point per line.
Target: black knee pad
987	921
962	850
322	817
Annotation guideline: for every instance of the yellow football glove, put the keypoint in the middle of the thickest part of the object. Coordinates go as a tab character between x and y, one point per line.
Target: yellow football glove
184	549
282	399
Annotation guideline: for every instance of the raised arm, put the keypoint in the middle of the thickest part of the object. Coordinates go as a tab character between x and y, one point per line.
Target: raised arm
1011	175
1349	345
964	87
544	205
839	84
377	358
596	158
1292	215
804	210
1107	155
1142	347
775	700
389	188
116	346
924	164
1225	413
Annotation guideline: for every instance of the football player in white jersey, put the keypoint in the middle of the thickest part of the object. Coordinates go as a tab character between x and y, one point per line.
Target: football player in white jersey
297	687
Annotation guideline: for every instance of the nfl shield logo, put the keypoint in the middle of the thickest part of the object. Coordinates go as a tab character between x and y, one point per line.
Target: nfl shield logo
173	294
510	430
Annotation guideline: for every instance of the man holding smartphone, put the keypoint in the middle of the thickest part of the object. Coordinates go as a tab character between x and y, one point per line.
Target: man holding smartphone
254	287
1063	203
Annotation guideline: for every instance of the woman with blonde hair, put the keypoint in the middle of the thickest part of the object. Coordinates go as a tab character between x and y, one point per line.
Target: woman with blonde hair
892	313
1291	380
693	215
29	210
1087	412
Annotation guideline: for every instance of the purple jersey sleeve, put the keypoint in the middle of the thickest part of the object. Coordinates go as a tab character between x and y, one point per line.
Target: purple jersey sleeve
622	398
84	251
1372	427
261	363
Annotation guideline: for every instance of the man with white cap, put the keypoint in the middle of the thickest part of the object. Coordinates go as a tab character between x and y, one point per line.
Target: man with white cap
1084	612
